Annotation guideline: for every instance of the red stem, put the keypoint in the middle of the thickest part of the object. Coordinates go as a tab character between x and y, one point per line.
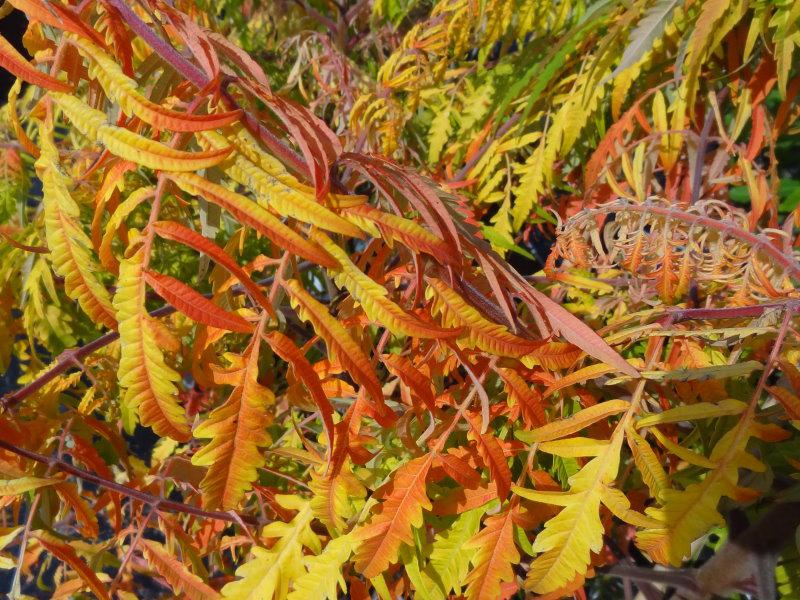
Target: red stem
156	502
193	74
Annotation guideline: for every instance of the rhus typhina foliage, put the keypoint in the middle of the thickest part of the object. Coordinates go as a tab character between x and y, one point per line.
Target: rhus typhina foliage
351	392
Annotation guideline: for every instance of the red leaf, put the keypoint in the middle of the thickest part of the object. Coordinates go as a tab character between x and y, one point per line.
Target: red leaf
288	351
64	552
193	305
174	231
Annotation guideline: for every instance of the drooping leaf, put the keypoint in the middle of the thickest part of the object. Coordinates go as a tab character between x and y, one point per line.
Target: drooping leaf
63	551
13	61
249	213
194	305
70	247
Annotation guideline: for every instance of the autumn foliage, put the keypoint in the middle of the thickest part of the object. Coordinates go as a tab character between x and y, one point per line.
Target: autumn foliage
390	298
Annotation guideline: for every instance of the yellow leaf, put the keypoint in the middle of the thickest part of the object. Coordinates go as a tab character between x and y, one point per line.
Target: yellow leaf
373	297
270	572
131	146
14	487
70	247
324	572
691	457
147	382
691	412
573	447
590	372
647	462
580	420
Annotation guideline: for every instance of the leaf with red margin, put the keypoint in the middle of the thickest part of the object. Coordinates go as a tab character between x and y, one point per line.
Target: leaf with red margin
394	520
64	552
495	557
249	213
14	62
176	232
288	351
195	306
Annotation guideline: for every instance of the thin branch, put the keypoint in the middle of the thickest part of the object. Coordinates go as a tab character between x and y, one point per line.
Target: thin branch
151	500
192	73
733	312
68	358
702	145
504	128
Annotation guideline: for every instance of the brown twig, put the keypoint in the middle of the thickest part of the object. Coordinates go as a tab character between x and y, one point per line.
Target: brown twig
733	312
67	359
504	128
151	500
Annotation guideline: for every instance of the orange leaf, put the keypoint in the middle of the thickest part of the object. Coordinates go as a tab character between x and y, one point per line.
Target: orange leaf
341	347
195	306
493	457
13	61
84	515
590	372
183	582
789	401
412	235
288	351
394	519
529	401
174	231
417	382
495	557
237	430
556	355
463	499
459	470
58	16
64	552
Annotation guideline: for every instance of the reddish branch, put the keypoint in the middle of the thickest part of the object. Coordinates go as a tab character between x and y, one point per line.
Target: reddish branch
193	74
733	312
157	502
68	358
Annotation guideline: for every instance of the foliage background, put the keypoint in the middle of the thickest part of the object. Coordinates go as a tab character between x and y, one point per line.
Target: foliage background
531	119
